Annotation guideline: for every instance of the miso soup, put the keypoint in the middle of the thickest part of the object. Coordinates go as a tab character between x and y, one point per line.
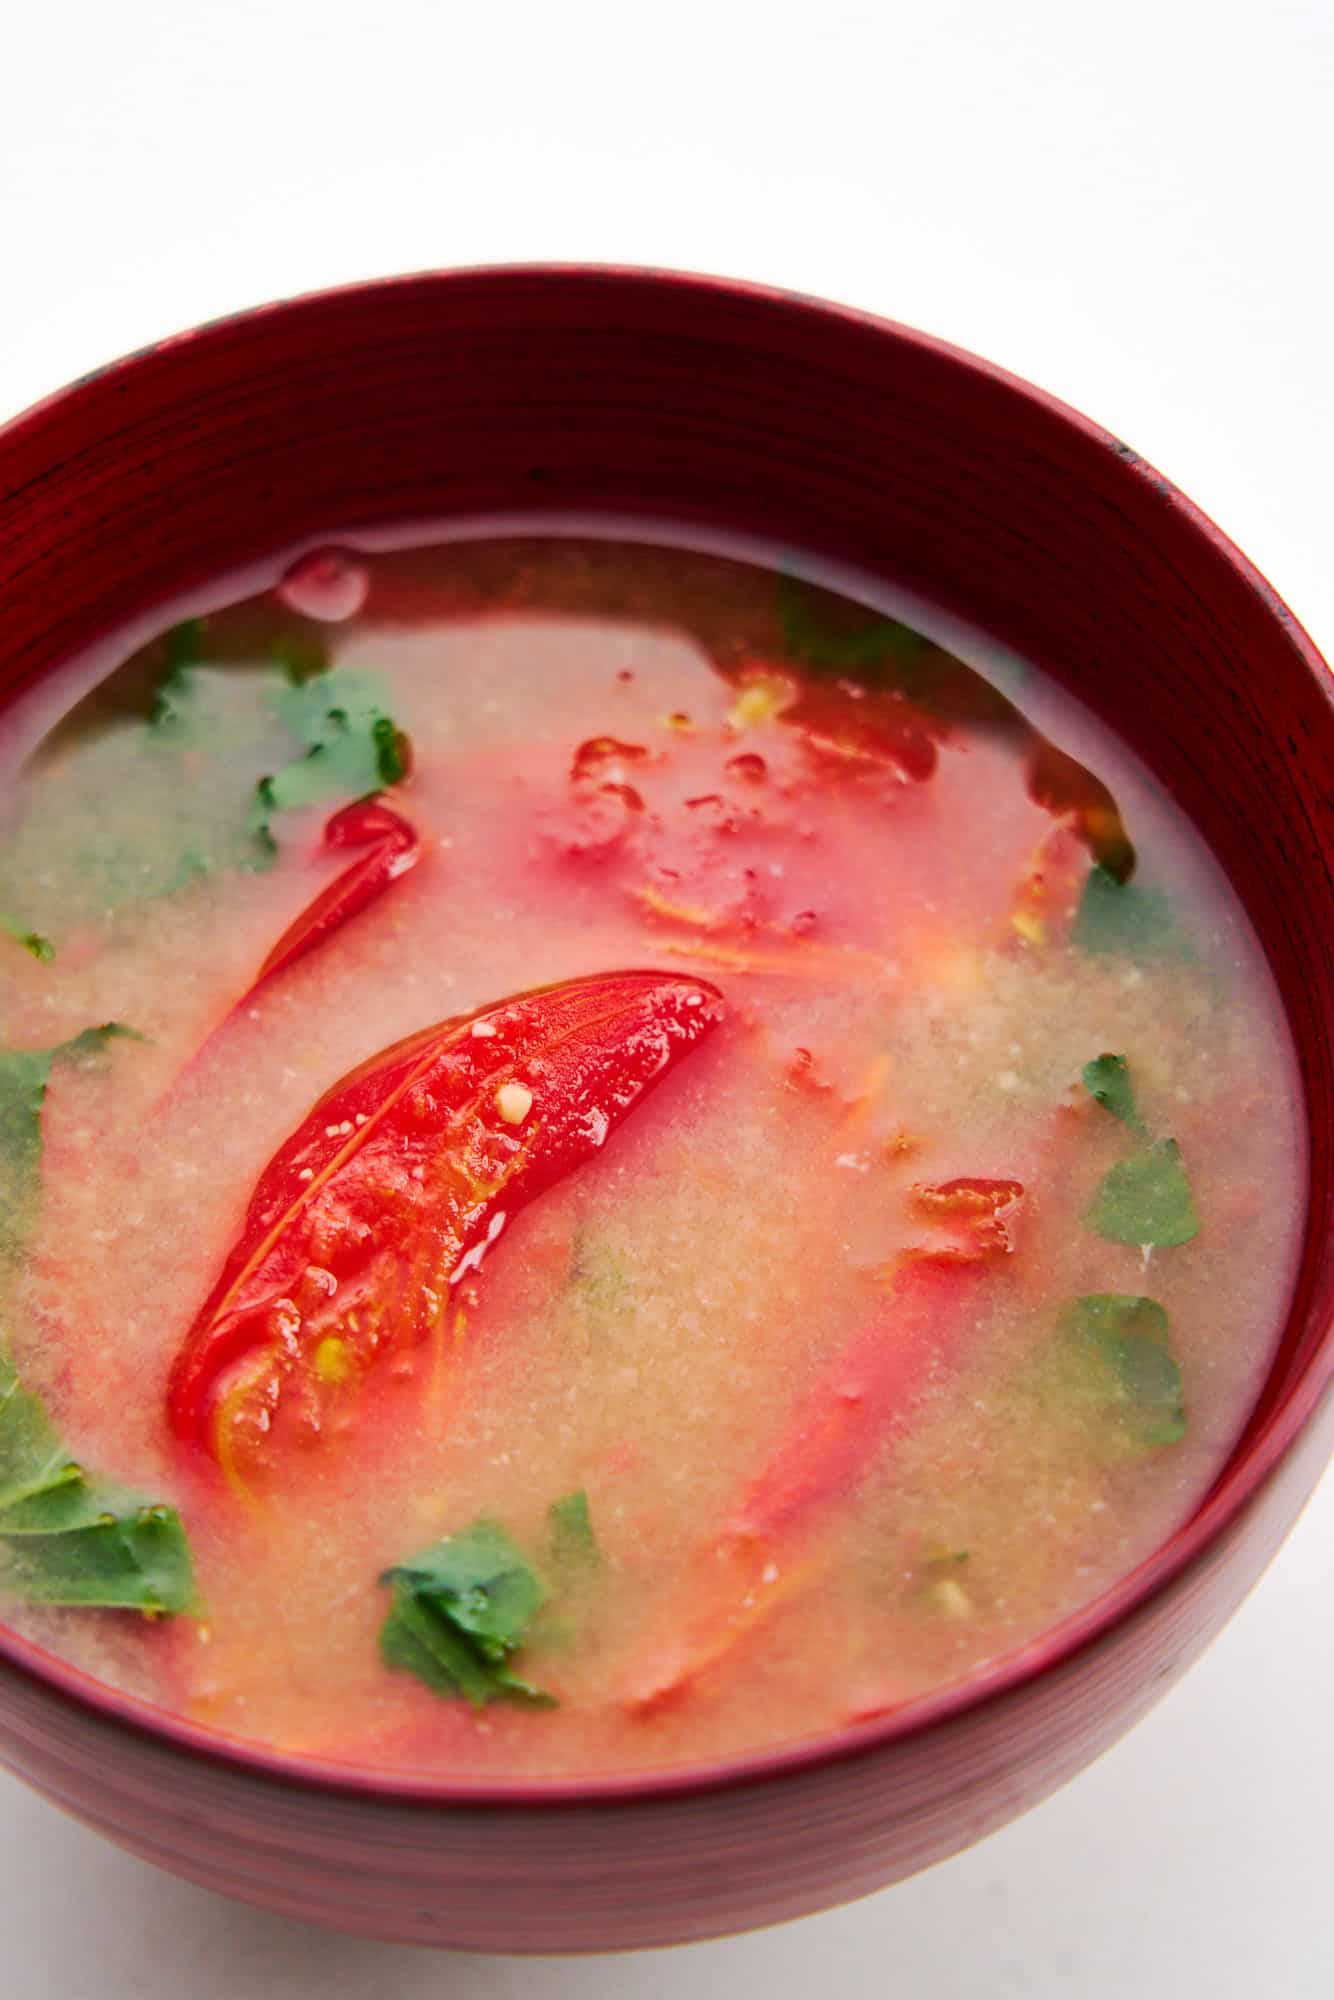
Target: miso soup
615	1152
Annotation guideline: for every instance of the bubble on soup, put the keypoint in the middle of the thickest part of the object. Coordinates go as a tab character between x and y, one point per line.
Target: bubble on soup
327	584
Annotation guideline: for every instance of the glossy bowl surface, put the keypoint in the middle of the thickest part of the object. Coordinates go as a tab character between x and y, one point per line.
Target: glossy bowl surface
660	395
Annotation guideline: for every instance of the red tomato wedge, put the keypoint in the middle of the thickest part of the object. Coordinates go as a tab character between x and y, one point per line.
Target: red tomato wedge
393	847
395	1185
868	1394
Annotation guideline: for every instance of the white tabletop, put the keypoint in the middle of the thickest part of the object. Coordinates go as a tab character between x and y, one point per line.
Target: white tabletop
1128	204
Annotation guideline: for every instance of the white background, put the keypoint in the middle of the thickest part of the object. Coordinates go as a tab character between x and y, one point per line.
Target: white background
1128	203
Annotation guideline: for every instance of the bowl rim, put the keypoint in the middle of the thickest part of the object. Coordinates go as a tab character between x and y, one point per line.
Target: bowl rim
1254	1458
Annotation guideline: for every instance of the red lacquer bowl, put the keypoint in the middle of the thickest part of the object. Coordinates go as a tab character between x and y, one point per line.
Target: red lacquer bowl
660	395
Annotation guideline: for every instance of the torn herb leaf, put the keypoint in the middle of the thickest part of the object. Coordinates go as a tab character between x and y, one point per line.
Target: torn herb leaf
24	1075
1146	1200
1107	1079
354	747
67	1539
417	1639
570	1522
133	1557
1123	1343
460	1611
32	1460
1126	917
313	705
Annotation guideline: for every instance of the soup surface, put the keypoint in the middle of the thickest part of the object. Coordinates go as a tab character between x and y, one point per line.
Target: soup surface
611	1154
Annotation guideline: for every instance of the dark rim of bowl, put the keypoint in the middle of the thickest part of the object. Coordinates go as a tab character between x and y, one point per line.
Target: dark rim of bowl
1253	1460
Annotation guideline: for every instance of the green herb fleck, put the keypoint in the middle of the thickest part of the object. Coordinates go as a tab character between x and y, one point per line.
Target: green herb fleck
40	948
67	1539
818	633
391	751
1146	1200
570	1522
183	646
301	655
190	866
1107	1079
184	643
1122	1343
600	1284
941	1560
1127	918
460	1612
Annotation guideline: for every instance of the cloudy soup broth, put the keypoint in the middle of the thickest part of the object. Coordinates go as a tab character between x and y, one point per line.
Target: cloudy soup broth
612	1154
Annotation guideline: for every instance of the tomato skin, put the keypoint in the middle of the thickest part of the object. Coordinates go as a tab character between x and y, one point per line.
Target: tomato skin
398	1181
